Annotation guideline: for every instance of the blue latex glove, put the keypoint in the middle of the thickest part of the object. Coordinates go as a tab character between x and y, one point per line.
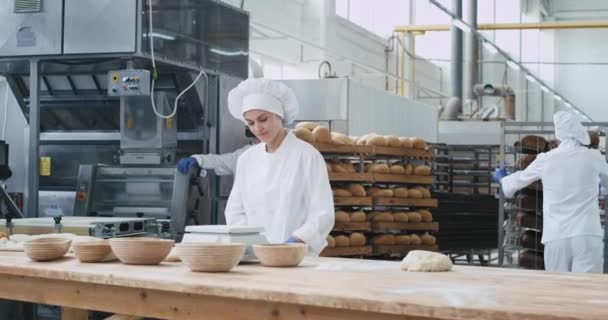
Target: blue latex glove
184	165
499	174
293	240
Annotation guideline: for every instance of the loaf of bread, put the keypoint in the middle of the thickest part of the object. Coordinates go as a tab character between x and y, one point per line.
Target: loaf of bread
402	240
529	259
357	239
397	169
428	239
414	217
339	138
425	215
531	239
384	239
382	217
342	217
343	167
400	217
409	169
418	143
307	125
3	235
525	160
376	140
379	168
357	216
406	143
304	134
414	193
386	193
342	241
331	242
415	240
393	141
529	220
531	144
338	192
400	192
356	190
370	192
426	194
322	135
422	171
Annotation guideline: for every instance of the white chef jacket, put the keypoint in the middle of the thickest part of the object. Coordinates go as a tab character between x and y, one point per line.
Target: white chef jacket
221	164
570	174
287	192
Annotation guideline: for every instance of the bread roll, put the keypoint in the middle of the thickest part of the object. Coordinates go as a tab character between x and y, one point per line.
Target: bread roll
397	169
418	143
304	134
363	139
393	141
343	167
353	139
342	241
414	217
428	239
426	194
425	216
338	138
370	192
376	140
415	240
357	239
307	125
388	193
422	171
400	217
379	168
414	194
406	143
400	192
331	242
338	192
409	169
322	135
370	216
342	217
383	217
402	240
357	190
357	216
384	239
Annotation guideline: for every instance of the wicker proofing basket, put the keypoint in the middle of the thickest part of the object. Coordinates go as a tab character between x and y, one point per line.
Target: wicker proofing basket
210	257
141	251
92	251
280	255
46	249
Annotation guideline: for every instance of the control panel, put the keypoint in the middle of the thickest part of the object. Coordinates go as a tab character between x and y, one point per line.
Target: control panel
129	82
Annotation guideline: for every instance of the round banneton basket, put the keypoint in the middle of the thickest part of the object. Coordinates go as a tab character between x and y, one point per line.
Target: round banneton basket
210	257
280	255
141	251
92	251
46	249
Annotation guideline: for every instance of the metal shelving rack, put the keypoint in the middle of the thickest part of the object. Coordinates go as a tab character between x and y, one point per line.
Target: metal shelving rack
511	132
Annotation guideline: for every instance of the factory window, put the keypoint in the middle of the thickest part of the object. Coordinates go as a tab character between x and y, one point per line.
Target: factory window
379	17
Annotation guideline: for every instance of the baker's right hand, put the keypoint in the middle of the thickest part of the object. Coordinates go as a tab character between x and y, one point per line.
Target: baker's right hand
499	174
184	165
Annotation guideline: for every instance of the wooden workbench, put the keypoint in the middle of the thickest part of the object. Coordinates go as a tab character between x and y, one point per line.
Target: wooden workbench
322	288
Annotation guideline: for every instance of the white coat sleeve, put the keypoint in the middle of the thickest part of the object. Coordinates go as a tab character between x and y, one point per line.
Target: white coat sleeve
603	169
518	180
221	164
235	209
320	218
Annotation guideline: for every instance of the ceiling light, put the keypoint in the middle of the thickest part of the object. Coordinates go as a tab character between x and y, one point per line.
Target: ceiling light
513	65
461	25
490	47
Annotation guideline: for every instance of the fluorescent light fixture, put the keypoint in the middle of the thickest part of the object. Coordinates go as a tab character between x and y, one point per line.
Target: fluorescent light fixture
513	65
545	89
461	25
490	47
557	98
530	78
229	53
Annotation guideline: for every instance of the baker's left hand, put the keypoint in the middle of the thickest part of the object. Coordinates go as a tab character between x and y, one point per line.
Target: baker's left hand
294	240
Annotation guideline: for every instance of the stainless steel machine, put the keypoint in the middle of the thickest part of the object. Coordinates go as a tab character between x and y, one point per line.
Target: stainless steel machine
81	71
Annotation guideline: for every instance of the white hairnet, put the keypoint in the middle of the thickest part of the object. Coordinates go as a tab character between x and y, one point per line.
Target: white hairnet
567	126
263	94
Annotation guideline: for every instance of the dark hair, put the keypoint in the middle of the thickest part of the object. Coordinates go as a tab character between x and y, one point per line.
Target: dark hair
248	133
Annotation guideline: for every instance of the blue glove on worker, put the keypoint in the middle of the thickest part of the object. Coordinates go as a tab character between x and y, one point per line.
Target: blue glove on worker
293	240
499	174
184	165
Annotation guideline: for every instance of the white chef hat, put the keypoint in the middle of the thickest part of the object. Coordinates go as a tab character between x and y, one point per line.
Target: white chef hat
567	126
263	94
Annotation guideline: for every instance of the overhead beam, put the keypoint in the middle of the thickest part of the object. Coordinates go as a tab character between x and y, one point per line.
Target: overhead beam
510	26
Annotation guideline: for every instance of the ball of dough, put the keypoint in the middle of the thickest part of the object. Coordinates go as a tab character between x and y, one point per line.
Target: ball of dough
342	241
342	217
422	171
339	138
406	143
358	216
384	239
402	240
304	134
397	169
322	135
3	235
393	141
376	140
418	143
307	125
428	239
331	242
357	239
426	261
383	217
388	193
400	192
357	190
425	215
400	217
426	194
414	194
414	217
415	240
409	169
379	168
363	139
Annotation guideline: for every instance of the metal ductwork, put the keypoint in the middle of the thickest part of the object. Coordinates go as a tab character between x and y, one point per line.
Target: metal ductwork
508	110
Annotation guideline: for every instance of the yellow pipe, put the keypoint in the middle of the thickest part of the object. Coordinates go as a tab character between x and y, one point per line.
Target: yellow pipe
510	26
